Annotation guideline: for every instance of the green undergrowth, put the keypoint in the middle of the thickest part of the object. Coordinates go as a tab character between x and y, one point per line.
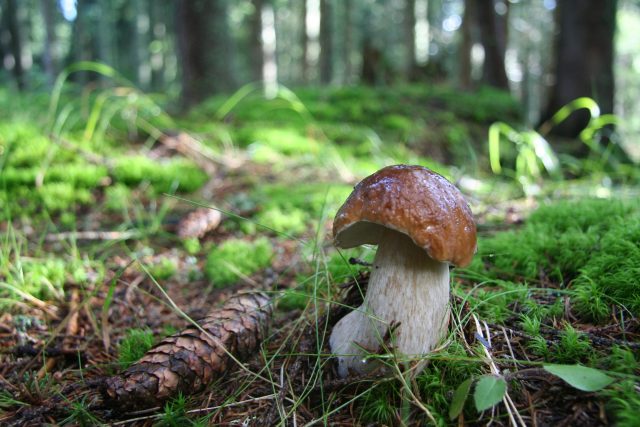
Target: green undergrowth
23	278
236	259
590	248
386	402
134	345
39	175
175	174
435	120
330	270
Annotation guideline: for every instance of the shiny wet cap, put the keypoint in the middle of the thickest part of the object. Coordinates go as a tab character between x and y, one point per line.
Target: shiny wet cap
412	200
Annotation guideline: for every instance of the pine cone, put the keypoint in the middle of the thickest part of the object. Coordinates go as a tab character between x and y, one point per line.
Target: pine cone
189	360
198	223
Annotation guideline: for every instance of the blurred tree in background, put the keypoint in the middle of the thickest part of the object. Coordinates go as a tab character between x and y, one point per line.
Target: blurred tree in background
545	53
583	64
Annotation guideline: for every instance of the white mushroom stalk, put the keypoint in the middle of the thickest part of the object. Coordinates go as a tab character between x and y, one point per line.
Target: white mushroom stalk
407	287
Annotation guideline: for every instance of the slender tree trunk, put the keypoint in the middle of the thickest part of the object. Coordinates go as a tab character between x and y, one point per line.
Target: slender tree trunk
191	26
348	40
15	43
410	38
465	46
50	42
494	42
204	48
256	47
583	60
158	31
326	41
142	39
304	43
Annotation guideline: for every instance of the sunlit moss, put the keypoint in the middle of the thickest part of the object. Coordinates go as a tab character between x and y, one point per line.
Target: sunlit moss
164	269
236	258
174	174
291	221
117	197
62	196
308	197
590	245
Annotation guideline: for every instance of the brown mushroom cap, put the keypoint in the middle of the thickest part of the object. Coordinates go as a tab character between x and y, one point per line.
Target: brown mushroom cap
412	200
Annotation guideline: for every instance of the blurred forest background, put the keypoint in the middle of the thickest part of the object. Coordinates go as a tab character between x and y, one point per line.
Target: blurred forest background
545	53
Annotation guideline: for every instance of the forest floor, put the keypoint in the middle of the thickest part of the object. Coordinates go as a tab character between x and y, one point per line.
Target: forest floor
110	241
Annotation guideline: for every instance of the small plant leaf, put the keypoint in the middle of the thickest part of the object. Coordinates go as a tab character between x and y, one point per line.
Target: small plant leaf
459	397
581	377
489	391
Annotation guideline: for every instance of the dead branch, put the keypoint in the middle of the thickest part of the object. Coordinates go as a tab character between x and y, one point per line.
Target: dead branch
189	360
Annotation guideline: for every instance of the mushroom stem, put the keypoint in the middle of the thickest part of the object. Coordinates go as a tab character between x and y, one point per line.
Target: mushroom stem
406	286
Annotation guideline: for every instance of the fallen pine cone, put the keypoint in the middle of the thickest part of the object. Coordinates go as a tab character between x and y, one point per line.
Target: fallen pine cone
198	223
189	360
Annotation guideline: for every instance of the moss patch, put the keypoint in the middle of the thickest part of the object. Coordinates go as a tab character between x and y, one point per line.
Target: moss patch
591	246
235	258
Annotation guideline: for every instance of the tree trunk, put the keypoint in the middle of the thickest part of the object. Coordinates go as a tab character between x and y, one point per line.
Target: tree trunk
255	43
304	42
50	43
326	41
348	40
15	43
204	48
583	60
158	31
493	39
140	50
410	38
85	44
465	46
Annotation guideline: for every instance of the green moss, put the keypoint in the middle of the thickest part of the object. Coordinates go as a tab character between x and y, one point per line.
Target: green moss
591	245
62	196
399	123
164	269
135	344
622	360
624	403
445	373
78	174
293	299
176	173
495	300
612	276
573	347
192	246
24	144
379	404
292	221
236	258
339	268
307	197
284	140
117	198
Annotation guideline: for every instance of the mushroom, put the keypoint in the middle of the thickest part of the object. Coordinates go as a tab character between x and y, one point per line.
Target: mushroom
421	224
